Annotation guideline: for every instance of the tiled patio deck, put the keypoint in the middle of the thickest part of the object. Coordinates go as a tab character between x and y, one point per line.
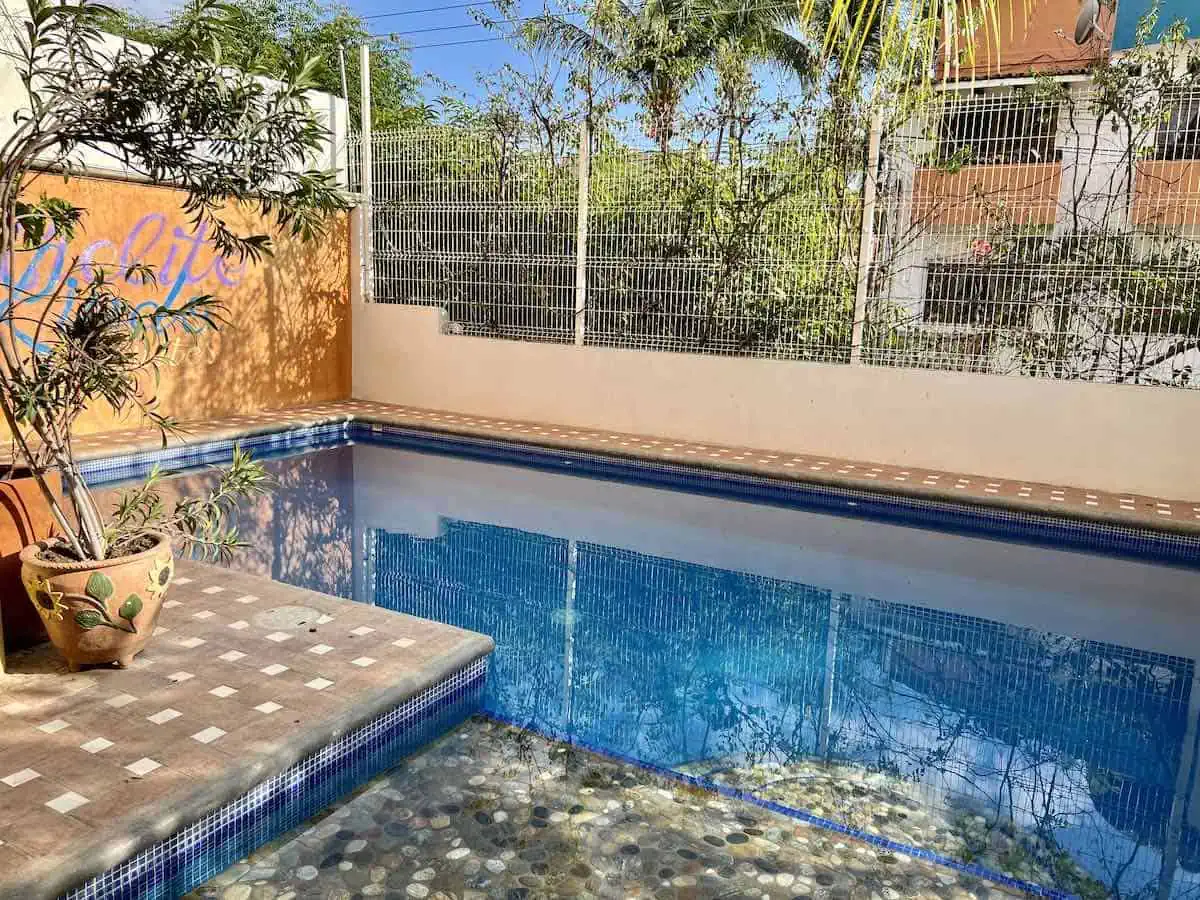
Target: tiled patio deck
1135	510
244	678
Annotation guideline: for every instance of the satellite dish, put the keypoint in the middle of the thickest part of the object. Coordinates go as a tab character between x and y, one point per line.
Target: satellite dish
1088	22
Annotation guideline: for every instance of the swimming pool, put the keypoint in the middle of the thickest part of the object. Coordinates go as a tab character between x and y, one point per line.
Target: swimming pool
1029	710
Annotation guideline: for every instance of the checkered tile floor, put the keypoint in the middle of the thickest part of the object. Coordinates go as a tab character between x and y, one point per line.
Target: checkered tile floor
239	668
1129	509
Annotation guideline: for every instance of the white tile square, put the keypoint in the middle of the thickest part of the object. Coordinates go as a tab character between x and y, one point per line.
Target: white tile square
95	745
324	619
239	625
223	691
171	604
215	589
183	579
269	707
164	715
18	778
279	636
120	700
403	643
245	598
362	662
232	656
273	669
208	735
143	766
180	677
54	726
319	649
362	630
203	614
64	803
191	642
318	684
161	629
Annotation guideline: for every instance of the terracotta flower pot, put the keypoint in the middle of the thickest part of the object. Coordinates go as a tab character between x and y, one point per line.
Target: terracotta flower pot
100	612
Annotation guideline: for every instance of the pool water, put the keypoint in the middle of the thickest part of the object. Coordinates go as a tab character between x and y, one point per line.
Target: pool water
1028	710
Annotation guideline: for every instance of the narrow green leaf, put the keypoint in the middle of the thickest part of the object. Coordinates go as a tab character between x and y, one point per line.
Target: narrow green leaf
99	587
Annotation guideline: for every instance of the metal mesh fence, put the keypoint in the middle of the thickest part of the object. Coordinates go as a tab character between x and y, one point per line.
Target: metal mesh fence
1035	232
1039	230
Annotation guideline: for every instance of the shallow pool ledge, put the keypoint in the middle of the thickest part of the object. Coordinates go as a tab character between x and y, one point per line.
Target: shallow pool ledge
255	705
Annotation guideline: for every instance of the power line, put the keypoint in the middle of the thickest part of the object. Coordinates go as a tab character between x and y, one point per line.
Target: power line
384	37
460	27
428	9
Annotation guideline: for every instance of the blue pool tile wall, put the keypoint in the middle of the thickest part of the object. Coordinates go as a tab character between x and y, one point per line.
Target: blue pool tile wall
109	469
206	848
1084	743
1177	548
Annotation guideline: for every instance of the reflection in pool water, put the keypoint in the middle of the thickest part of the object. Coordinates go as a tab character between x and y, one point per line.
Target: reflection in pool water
1064	760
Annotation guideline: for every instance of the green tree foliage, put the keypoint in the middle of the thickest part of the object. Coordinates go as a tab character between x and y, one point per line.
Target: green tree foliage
265	35
172	113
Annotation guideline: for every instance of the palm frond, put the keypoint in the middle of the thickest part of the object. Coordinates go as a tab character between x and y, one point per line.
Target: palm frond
548	32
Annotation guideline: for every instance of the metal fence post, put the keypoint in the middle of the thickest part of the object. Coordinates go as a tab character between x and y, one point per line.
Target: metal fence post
364	165
866	243
581	231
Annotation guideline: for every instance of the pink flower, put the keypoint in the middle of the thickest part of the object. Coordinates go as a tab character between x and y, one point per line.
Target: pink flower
981	248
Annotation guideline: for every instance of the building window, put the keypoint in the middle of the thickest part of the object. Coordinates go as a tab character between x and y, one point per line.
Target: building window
1179	136
1005	130
977	294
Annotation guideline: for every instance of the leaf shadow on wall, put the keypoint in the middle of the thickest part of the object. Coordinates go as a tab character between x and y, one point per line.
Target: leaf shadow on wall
287	341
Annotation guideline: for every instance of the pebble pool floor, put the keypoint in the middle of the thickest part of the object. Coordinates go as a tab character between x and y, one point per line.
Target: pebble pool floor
490	811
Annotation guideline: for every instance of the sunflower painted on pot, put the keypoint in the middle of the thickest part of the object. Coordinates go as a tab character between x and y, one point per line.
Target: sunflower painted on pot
162	570
49	602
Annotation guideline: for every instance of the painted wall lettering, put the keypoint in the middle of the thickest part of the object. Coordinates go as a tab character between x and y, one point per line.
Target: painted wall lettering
180	256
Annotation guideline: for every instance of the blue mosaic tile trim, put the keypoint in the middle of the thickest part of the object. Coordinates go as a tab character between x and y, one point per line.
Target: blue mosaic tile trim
111	469
1028	887
1046	530
208	847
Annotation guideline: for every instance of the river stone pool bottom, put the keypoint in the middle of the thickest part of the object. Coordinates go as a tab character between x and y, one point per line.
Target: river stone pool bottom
1028	710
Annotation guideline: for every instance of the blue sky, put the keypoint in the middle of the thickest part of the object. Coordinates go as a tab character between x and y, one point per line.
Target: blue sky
456	64
1129	12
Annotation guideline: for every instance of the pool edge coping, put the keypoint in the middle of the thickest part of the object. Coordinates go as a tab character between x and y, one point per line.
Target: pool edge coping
304	418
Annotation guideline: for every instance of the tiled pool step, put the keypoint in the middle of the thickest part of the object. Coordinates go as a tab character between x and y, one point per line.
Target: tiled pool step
255	701
1133	510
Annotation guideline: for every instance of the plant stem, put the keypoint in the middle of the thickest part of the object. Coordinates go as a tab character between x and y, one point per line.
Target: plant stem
38	473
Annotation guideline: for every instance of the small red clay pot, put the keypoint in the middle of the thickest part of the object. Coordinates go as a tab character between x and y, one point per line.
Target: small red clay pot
99	612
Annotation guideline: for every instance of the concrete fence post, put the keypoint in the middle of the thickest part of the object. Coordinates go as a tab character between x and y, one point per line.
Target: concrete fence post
365	166
866	242
581	230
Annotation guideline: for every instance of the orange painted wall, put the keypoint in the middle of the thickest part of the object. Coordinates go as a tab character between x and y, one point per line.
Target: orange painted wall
288	339
1016	194
1034	36
1167	193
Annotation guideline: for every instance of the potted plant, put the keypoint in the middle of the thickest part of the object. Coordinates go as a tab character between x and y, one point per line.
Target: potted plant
229	141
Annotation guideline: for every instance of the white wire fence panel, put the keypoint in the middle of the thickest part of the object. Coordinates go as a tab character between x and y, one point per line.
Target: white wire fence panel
1032	232
1019	231
744	250
481	225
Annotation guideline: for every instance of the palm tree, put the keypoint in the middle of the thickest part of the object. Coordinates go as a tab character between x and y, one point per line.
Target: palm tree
660	48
